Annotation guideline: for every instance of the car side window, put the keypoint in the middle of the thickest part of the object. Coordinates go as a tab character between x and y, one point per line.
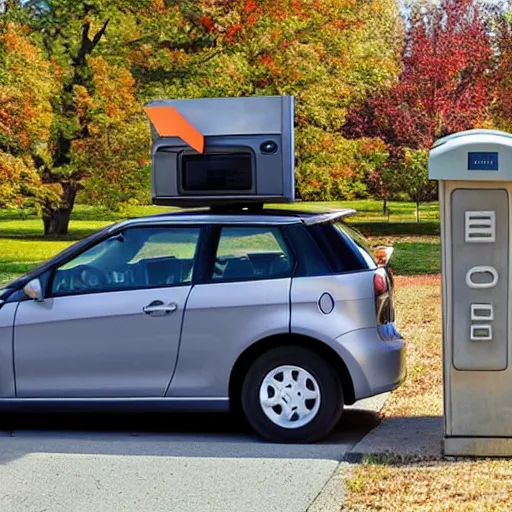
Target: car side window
249	253
137	258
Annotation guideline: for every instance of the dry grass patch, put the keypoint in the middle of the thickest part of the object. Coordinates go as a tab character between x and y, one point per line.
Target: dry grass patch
419	320
395	483
432	486
425	280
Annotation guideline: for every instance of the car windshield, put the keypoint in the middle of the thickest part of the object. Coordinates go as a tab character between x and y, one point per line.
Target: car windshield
62	255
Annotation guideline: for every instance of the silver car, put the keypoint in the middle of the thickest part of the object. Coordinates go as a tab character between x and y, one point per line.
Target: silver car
282	316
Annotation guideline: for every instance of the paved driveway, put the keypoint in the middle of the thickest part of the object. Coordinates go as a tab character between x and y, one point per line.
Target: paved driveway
162	463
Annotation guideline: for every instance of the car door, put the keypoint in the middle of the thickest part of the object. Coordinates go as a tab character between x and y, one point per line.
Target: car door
110	322
243	298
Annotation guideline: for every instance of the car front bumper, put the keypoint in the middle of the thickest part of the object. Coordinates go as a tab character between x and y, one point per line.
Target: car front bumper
375	365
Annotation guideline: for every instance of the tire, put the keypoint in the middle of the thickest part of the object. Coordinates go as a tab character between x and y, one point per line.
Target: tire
303	426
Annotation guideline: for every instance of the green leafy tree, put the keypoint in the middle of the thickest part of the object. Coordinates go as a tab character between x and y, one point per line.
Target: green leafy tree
415	176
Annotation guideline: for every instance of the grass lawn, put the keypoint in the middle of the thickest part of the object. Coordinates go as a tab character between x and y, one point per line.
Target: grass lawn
417	248
389	483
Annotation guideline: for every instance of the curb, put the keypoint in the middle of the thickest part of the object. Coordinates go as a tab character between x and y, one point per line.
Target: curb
331	497
354	457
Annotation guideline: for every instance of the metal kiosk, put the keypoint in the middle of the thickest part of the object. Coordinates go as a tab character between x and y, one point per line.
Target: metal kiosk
474	169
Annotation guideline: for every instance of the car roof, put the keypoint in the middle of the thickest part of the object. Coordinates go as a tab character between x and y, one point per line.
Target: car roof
242	217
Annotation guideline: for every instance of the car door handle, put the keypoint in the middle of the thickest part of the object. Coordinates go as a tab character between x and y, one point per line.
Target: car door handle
158	306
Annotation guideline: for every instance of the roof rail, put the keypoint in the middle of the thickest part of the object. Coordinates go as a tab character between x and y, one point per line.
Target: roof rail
329	216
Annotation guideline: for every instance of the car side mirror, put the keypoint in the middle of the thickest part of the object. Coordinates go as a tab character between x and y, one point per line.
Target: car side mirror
34	290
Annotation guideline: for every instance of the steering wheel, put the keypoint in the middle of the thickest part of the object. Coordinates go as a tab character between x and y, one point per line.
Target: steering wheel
89	277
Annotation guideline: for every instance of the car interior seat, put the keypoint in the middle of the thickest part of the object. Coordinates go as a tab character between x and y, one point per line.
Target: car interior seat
281	265
239	268
163	271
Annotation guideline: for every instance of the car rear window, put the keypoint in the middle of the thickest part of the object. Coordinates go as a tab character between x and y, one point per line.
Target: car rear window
345	248
251	252
360	240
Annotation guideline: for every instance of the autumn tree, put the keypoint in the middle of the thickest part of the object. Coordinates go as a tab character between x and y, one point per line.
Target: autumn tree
445	85
26	90
95	108
93	120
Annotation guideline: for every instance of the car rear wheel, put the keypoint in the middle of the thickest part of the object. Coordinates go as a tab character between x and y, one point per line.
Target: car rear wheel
291	394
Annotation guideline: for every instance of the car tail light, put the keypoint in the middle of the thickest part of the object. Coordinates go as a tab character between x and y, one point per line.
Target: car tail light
380	283
384	304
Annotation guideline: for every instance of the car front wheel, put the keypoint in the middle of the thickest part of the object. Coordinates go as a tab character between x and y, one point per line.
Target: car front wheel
291	394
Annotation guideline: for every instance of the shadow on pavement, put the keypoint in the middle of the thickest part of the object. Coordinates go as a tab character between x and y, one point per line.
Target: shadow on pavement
169	435
402	440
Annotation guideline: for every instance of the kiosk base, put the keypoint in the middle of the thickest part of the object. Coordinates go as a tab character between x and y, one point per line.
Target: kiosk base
477	446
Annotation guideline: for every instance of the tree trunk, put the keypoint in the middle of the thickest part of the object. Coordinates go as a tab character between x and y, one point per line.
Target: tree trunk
417	207
56	220
384	206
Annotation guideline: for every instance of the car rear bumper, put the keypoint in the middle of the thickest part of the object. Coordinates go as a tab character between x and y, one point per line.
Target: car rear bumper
375	366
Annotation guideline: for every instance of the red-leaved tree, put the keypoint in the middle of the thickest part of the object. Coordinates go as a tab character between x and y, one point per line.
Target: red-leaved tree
445	85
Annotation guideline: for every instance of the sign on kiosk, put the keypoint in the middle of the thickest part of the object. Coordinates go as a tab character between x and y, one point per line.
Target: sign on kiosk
474	170
213	151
